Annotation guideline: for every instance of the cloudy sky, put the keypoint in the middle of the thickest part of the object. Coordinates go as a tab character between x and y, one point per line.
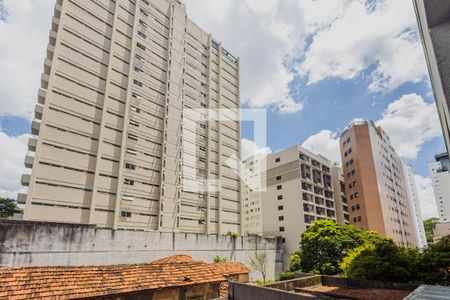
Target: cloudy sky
316	65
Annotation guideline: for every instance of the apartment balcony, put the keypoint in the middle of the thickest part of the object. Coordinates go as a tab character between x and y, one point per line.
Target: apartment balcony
29	160
32	143
329	204
319	201
320	211
47	65
21	198
25	179
35	126
41	95
52	37
44	80
38	111
50	51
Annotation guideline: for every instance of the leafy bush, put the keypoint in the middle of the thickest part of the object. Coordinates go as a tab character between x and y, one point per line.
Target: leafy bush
383	260
218	259
295	262
435	264
287	275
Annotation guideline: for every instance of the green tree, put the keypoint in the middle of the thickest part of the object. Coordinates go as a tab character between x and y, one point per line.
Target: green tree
429	227
218	259
324	245
383	260
435	264
8	207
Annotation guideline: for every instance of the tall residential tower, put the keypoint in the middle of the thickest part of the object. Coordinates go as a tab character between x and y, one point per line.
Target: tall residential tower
433	17
375	183
110	130
440	177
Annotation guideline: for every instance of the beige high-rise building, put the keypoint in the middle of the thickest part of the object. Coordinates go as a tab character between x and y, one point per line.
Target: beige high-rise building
299	190
110	126
340	196
375	183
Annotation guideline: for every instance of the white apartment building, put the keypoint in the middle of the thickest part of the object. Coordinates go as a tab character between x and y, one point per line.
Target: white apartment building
440	178
299	191
110	142
414	204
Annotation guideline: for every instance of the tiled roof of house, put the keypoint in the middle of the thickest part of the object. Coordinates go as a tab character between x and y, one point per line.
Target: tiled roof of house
231	268
174	259
95	281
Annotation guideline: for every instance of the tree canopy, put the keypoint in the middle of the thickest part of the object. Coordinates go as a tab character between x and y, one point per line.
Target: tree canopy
8	207
384	260
324	245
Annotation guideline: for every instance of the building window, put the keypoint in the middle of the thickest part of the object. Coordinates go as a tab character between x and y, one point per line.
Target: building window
140	46
278	177
356	195
128	181
279	187
137	82
280	197
283	240
359	219
281	228
280	218
142	35
277	159
280	207
130	166
125	214
138	70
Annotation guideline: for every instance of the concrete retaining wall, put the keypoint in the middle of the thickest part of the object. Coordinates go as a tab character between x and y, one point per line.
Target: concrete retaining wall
25	243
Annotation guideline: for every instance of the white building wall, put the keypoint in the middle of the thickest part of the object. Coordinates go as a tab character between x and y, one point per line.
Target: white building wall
414	204
441	187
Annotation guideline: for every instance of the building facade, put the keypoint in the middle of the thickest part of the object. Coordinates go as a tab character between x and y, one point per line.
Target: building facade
414	204
298	191
433	18
110	139
440	178
340	196
376	185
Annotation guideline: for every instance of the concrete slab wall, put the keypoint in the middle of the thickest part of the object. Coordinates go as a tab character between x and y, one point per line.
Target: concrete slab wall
26	243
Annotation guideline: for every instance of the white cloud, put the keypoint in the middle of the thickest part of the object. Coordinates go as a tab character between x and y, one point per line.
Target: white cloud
426	197
266	37
358	35
410	122
12	154
250	148
24	36
326	143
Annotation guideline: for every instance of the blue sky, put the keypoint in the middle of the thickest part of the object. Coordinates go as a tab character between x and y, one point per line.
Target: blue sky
314	65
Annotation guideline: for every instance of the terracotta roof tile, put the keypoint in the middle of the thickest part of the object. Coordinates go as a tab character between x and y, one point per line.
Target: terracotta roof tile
178	258
93	281
231	268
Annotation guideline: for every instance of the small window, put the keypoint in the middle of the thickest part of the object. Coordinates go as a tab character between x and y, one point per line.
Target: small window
127	181
125	214
280	197
279	187
137	82
138	70
278	177
142	35
130	166
277	159
127	198
280	218
140	46
280	207
281	228
359	219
